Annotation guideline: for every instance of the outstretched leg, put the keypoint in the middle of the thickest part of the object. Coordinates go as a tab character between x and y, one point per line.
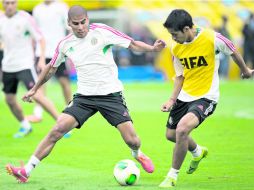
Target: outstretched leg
64	124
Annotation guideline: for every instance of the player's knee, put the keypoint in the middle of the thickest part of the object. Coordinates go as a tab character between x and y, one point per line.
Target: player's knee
171	137
10	101
181	132
56	133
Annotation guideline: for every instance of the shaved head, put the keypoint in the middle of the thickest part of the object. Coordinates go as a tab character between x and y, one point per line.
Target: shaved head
76	11
10	7
78	21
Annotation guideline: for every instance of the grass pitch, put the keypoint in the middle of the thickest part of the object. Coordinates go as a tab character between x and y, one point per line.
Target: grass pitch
86	160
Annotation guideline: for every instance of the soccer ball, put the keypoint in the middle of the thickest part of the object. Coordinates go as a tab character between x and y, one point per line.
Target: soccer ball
126	172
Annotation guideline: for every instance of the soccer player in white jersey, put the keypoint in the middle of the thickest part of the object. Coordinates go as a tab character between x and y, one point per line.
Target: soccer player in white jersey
99	89
17	29
196	86
51	18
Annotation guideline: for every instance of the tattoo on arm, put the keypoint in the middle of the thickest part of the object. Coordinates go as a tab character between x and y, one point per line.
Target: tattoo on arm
47	76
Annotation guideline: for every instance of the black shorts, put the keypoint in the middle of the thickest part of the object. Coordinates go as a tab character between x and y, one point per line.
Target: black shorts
202	108
1	58
112	107
11	80
61	71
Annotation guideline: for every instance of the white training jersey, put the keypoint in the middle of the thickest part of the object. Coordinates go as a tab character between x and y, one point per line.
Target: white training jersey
97	73
1	45
16	34
223	45
52	22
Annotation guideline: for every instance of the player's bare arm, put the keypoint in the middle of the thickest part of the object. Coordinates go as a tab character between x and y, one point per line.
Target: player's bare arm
45	75
143	47
245	71
166	107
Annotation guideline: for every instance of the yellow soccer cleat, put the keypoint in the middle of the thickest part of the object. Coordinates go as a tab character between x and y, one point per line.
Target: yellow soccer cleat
196	160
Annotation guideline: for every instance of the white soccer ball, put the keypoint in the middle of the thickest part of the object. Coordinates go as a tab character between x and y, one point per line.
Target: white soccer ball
126	172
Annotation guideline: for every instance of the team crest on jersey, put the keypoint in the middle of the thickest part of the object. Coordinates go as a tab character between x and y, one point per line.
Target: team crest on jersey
94	41
71	49
26	33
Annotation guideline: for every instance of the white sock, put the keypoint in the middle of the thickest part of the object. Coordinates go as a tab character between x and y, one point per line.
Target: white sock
135	153
197	151
25	124
38	111
32	163
173	173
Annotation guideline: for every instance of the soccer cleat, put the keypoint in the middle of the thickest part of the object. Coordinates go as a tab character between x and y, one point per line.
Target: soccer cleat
22	132
33	119
146	163
18	172
196	160
168	182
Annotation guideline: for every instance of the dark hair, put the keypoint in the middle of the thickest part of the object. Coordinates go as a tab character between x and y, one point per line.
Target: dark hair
178	19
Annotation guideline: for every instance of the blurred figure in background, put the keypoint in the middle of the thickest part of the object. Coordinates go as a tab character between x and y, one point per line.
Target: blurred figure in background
137	58
141	33
1	58
122	56
224	59
149	38
51	18
248	43
1	52
17	30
